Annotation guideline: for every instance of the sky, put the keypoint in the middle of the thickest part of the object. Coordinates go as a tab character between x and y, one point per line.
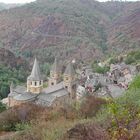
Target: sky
26	1
122	0
16	1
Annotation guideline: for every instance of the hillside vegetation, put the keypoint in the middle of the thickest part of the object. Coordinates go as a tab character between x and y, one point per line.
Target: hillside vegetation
93	118
83	29
12	69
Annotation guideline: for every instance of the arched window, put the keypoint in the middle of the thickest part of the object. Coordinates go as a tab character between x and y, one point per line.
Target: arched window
35	83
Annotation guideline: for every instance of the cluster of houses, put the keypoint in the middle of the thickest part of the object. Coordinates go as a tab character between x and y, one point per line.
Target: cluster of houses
111	84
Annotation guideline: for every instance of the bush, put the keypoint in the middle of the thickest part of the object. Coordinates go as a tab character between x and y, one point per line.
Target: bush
91	106
2	107
101	70
98	69
133	57
135	84
22	126
130	60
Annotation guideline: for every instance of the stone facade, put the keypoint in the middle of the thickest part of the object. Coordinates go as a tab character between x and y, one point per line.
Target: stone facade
34	86
57	93
55	78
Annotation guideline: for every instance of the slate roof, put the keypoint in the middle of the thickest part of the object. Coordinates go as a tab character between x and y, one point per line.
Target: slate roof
120	67
53	88
17	90
59	93
25	97
13	94
55	66
35	74
70	70
46	99
91	82
115	90
19	93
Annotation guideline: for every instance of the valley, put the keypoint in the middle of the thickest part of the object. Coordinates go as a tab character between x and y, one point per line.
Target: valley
70	70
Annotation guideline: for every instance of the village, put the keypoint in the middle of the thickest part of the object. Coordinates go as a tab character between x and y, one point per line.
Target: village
112	84
72	85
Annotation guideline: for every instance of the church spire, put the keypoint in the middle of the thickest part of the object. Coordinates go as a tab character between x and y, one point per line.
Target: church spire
35	74
55	73
55	67
70	70
35	80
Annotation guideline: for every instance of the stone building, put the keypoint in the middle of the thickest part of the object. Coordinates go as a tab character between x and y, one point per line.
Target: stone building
61	89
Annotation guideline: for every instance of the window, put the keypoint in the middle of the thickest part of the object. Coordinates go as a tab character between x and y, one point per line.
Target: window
66	86
40	82
35	83
52	84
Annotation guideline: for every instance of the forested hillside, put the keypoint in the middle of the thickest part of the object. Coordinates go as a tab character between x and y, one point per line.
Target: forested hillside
12	69
83	29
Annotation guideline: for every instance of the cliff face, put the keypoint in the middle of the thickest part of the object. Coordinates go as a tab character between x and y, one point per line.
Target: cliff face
76	28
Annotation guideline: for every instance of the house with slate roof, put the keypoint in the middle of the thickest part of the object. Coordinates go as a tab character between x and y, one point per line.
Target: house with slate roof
61	89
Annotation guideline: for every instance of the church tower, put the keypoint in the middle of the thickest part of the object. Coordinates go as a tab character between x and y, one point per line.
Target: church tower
55	73
35	80
70	80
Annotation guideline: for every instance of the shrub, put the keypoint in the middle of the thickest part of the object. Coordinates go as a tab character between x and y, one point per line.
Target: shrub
2	107
22	126
91	106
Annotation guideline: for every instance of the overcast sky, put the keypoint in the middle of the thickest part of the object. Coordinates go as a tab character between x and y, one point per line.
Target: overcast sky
16	1
25	1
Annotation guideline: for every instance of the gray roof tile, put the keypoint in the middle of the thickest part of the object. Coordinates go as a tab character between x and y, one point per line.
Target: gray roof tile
69	70
25	97
53	88
55	66
35	74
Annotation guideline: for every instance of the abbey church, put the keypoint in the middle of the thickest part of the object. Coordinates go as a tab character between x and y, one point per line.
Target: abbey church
61	87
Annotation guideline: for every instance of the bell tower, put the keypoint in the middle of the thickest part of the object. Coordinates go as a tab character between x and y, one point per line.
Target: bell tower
55	73
70	80
35	80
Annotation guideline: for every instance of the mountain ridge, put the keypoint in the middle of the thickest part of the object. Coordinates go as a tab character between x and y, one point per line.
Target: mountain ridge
81	29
